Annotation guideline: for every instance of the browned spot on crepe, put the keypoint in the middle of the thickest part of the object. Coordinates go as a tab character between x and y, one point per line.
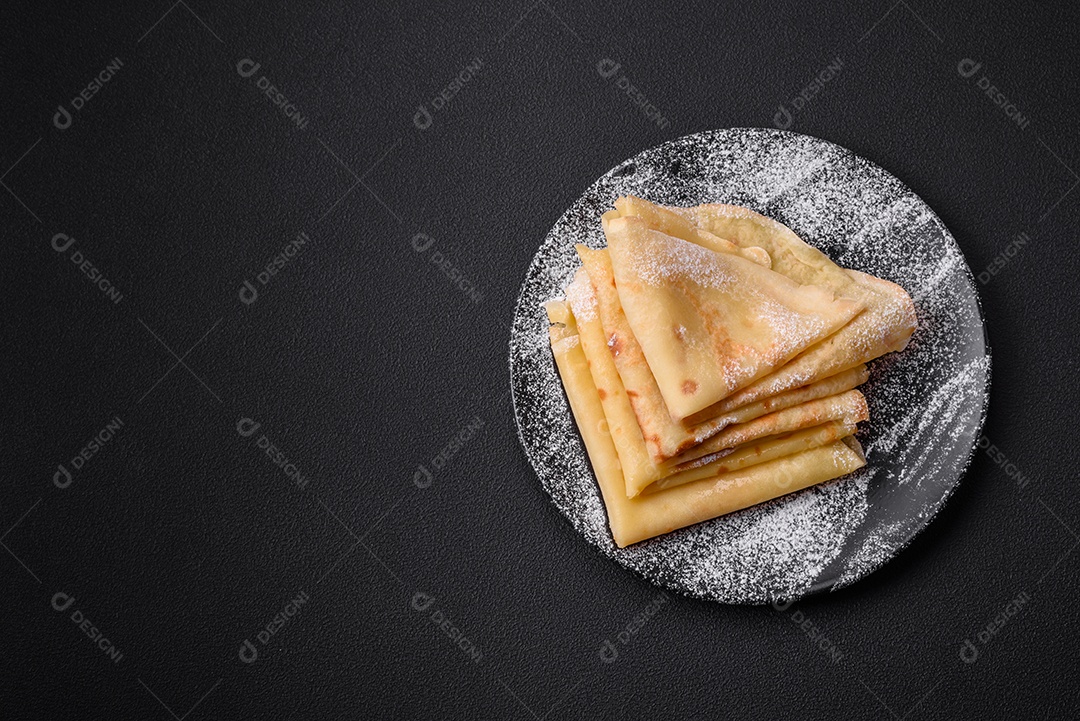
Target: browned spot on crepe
689	387
685	446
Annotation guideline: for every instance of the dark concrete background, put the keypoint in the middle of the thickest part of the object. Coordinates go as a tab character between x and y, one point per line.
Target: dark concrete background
361	360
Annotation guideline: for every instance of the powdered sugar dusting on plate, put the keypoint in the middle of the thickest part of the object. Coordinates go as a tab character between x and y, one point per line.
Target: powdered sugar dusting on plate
926	403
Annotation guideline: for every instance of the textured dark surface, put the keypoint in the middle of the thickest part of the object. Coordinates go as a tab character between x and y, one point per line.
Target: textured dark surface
180	539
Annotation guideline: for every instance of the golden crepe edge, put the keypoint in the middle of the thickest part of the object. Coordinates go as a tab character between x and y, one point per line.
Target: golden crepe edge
638	519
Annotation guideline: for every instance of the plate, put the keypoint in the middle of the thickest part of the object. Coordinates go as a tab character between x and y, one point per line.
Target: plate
927	403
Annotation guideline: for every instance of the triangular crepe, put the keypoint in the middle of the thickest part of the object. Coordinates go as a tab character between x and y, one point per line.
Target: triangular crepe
636	519
711	323
884	326
635	385
660	218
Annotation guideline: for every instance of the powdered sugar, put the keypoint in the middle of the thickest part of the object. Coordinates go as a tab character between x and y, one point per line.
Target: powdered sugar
679	266
926	403
581	298
672	258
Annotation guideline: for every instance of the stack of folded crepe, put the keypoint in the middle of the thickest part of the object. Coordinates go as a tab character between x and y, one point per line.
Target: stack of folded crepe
711	359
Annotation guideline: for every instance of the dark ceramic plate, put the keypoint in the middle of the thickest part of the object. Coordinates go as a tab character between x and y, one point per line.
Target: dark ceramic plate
927	403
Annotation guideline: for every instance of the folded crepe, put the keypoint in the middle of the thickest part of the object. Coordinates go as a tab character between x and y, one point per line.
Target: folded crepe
635	519
849	406
637	466
754	452
884	326
660	218
639	470
710	323
710	358
800	427
635	410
